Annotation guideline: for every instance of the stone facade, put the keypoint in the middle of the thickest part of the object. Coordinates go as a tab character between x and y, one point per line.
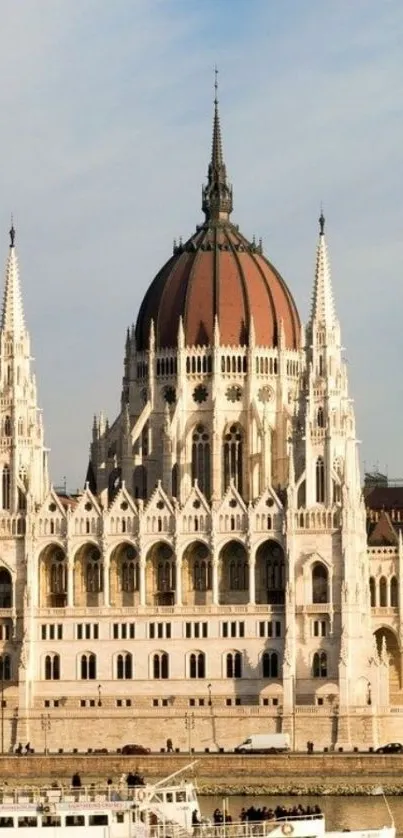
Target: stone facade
213	578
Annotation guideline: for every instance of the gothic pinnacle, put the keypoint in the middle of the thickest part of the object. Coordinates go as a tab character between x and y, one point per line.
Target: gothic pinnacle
217	194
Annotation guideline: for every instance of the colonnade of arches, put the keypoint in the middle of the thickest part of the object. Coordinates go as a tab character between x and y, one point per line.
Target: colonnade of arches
195	578
384	592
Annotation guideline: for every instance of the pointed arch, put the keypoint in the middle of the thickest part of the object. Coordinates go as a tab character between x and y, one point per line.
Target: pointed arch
233	665
372	592
383	592
270	664
88	667
320	418
160	665
6	497
6	588
320	583
124	666
394	592
270	573
320	480
319	665
201	466
197	665
233	457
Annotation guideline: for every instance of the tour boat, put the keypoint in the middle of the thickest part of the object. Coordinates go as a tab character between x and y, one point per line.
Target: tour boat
165	809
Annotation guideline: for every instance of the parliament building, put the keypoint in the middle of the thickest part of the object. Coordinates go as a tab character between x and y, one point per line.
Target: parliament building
223	572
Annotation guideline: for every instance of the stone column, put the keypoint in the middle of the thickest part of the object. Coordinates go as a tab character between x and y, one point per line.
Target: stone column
142	581
215	581
178	586
106	564
70	582
252	580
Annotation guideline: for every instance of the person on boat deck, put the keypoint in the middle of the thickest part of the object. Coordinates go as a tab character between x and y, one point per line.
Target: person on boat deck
76	781
170	746
18	750
195	818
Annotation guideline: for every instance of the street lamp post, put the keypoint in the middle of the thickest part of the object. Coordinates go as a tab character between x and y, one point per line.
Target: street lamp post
189	725
46	726
99	695
209	695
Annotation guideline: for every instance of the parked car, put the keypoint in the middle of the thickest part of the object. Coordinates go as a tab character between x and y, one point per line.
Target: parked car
391	748
135	749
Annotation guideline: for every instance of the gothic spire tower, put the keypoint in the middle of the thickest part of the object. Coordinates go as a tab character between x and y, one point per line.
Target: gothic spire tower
23	461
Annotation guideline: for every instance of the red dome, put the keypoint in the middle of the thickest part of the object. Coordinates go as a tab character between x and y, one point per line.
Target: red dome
218	273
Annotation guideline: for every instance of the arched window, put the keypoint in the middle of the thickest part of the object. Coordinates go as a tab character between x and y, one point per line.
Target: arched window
319	665
52	668
6	487
94	575
88	667
124	667
7	426
233	457
270	559
394	592
320	480
58	574
197	665
160	665
5	667
234	665
270	665
166	576
130	571
201	459
6	589
320	583
202	575
383	596
140	482
372	592
320	418
238	575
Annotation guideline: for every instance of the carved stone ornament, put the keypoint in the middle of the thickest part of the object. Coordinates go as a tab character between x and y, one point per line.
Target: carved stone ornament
265	394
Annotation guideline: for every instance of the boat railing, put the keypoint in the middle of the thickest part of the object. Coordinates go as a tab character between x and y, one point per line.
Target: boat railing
22	795
251	828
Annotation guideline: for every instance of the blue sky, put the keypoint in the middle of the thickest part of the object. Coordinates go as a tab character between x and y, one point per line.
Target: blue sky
106	112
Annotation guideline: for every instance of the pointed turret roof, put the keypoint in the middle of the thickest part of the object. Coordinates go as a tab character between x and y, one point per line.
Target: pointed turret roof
12	318
217	194
323	308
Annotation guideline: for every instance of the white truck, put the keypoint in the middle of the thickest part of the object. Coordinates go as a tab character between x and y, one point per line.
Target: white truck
264	743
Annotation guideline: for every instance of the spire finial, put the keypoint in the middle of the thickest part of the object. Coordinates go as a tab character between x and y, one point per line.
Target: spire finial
12	232
216	85
321	221
217	194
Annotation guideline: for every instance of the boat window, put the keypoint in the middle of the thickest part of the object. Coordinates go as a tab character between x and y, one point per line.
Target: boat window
170	797
120	817
75	820
51	820
98	820
27	821
180	796
6	822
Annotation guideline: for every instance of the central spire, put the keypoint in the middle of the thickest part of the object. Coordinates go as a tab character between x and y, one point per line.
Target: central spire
217	194
12	318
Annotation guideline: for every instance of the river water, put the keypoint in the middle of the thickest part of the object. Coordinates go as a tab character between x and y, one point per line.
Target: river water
340	812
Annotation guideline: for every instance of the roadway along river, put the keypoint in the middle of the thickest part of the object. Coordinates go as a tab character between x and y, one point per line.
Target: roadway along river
340	812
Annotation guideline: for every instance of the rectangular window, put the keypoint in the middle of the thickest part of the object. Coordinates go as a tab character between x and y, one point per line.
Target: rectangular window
82	702
228	702
56	702
128	702
165	702
205	629
278	628
92	702
160	630
60	632
201	702
242	629
116	631
192	702
168	630
43	632
118	702
95	629
197	629
75	820
51	632
225	629
155	702
46	702
261	629
151	631
233	630
238	701
132	632
123	631
275	702
88	631
98	820
80	631
188	629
